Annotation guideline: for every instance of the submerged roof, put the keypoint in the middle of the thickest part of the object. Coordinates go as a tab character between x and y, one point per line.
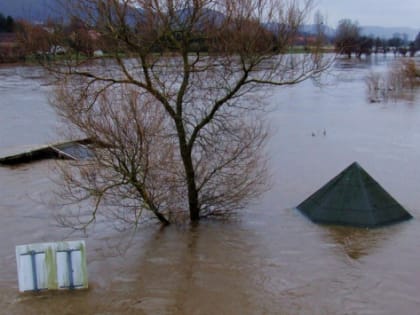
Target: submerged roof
353	198
73	150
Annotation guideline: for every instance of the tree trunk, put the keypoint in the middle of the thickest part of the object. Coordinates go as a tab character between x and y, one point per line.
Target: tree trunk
191	186
186	152
161	218
193	199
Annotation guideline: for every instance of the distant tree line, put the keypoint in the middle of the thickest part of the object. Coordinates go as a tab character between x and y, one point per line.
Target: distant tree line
82	39
350	42
52	38
7	24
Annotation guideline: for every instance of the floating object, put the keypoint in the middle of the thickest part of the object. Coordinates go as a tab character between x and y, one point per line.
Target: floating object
52	266
73	150
353	198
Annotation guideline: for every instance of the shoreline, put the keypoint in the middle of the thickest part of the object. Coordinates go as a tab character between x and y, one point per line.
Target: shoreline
16	64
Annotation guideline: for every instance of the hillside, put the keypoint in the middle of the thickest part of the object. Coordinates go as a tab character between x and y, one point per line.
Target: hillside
388	32
32	10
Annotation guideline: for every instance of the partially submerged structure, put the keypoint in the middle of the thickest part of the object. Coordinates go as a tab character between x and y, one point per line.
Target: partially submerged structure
73	150
353	198
52	266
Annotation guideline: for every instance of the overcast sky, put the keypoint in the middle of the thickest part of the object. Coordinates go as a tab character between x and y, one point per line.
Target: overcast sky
405	13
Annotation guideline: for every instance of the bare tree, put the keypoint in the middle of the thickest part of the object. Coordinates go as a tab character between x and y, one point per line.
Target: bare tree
347	38
177	105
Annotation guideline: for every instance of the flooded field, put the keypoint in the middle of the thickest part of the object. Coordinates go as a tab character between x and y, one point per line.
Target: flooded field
267	260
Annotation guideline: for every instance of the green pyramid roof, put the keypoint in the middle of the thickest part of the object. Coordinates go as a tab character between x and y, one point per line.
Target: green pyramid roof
353	198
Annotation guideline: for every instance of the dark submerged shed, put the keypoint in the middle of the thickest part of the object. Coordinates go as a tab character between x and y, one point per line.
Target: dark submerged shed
72	150
353	198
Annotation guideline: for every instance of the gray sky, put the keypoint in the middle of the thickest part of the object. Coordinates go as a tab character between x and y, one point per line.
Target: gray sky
372	12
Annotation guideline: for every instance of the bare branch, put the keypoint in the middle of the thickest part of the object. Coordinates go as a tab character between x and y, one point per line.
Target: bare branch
177	102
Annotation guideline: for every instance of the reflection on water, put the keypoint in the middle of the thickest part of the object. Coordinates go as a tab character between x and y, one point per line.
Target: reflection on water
269	259
357	242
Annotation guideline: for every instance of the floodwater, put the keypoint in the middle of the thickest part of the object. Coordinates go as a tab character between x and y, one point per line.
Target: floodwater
267	260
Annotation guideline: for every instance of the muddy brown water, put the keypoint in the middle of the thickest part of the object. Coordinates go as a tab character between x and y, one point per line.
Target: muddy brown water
267	260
